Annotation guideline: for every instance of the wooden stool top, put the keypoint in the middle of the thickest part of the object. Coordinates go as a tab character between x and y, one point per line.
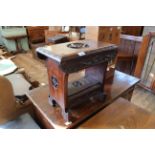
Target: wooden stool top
77	55
62	52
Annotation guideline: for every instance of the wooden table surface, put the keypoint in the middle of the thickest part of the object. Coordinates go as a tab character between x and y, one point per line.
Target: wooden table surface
114	88
120	114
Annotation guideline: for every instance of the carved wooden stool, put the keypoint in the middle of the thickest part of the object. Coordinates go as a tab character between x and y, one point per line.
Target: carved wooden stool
66	58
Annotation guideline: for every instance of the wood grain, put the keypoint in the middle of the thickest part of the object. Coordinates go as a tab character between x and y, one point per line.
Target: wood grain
121	114
114	88
132	30
142	55
128	53
63	60
110	34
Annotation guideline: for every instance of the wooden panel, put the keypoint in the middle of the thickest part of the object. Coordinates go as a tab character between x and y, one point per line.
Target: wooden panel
110	34
36	34
132	30
59	91
128	52
130	44
142	55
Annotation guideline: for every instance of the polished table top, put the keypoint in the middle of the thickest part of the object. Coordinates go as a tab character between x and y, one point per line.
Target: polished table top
121	114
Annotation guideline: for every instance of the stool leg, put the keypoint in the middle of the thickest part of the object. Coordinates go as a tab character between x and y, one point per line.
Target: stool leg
66	116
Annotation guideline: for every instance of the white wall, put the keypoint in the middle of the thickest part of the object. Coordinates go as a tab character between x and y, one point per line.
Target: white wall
148	29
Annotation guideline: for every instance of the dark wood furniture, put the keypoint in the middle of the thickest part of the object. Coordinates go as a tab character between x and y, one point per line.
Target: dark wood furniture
64	59
121	114
36	36
128	53
132	30
50	33
62	37
122	85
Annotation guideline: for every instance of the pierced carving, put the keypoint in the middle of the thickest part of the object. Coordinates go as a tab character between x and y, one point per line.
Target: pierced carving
54	82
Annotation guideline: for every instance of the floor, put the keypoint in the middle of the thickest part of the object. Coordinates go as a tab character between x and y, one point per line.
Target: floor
144	99
37	71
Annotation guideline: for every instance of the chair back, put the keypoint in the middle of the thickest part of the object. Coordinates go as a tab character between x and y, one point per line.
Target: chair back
7	100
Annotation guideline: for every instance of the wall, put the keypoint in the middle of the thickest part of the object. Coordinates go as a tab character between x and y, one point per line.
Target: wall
148	29
55	28
1	42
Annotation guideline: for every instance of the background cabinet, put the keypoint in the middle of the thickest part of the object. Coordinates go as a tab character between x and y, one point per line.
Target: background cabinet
132	30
